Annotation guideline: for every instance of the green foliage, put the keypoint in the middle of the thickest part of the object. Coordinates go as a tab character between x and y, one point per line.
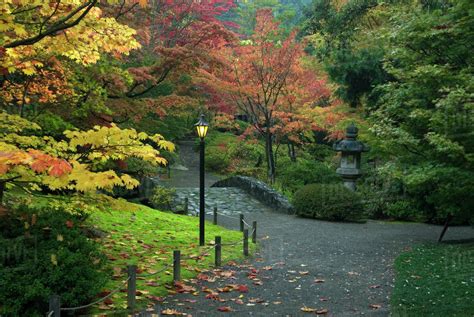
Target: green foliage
163	197
402	210
327	201
434	280
37	262
52	124
425	114
357	72
293	175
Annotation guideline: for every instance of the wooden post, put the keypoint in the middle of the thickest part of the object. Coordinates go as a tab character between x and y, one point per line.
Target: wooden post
55	305
246	242
176	265
254	232
241	222
446	225
186	205
215	215
132	287
218	255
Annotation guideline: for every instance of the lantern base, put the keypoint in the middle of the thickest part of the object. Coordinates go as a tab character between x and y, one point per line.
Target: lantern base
350	183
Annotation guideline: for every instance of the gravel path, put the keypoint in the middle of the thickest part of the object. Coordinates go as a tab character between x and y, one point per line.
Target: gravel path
344	268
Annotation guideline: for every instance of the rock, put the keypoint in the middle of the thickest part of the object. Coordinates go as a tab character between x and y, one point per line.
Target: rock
260	191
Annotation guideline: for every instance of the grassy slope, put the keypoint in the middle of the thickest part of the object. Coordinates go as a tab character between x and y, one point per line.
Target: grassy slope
435	280
148	240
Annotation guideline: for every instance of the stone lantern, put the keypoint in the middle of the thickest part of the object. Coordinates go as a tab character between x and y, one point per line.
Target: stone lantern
351	150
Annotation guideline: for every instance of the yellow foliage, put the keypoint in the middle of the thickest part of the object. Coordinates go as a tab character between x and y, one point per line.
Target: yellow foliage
86	152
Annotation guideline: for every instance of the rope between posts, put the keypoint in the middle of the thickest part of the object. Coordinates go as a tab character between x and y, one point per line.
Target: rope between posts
97	301
243	220
160	271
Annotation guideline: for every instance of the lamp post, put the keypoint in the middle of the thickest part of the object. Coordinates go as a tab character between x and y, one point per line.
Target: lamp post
351	150
201	128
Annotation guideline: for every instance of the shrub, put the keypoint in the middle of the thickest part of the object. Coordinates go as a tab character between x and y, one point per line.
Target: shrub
163	197
217	160
403	209
327	201
39	262
294	175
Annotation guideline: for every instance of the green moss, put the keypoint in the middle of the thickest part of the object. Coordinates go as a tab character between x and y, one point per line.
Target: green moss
434	280
147	238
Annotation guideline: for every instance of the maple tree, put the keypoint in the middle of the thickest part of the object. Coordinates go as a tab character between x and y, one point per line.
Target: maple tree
265	82
78	162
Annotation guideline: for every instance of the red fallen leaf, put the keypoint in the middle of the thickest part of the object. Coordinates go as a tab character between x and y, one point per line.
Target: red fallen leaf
124	255
374	286
213	296
225	309
155	298
319	280
183	288
243	289
69	224
108	301
239	301
322	311
203	277
102	294
152	283
375	306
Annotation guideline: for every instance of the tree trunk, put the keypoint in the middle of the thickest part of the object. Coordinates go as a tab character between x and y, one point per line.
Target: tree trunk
269	156
291	151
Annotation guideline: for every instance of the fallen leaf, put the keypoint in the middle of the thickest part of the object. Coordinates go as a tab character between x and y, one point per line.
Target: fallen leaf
319	280
322	311
375	306
225	309
173	312
374	286
308	309
243	289
304	272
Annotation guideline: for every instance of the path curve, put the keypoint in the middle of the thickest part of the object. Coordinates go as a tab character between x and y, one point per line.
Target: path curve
341	267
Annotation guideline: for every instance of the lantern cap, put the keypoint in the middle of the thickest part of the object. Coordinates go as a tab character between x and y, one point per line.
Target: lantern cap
349	143
352	131
201	122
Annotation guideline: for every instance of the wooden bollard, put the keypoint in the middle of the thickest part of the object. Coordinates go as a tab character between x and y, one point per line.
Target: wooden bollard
55	305
254	232
246	242
215	216
186	205
241	217
218	255
131	287
176	265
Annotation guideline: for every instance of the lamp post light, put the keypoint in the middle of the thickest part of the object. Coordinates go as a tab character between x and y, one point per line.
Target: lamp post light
351	150
201	128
